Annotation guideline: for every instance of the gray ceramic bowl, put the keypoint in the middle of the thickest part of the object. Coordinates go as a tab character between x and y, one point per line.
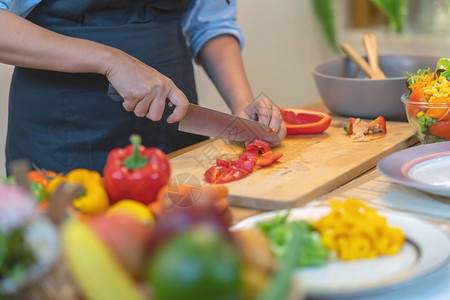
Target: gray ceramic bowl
344	90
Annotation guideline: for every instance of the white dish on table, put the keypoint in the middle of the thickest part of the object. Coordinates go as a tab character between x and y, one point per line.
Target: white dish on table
426	251
425	167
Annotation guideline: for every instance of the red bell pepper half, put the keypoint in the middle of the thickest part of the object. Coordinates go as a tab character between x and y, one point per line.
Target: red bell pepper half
135	172
305	121
233	169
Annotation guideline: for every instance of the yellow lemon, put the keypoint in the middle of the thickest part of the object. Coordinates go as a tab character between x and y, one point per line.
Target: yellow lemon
133	209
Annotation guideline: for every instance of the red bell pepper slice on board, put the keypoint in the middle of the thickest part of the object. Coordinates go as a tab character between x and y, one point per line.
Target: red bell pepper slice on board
305	121
378	125
233	169
268	158
260	145
135	172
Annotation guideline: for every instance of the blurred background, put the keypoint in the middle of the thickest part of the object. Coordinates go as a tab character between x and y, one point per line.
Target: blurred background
284	41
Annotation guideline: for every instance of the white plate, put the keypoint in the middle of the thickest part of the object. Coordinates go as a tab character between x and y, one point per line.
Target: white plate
426	250
425	167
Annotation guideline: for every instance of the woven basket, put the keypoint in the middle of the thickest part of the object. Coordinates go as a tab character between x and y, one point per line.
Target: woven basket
51	285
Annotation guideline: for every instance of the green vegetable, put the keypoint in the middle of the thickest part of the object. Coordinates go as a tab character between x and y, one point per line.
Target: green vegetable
196	264
280	231
38	191
421	124
280	285
347	128
444	65
413	78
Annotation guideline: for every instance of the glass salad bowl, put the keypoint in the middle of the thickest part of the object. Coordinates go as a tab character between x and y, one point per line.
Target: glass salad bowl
430	121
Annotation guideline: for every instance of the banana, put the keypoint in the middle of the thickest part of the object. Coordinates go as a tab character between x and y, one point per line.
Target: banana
96	272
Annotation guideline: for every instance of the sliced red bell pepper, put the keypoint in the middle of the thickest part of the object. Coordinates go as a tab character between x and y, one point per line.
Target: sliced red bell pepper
233	169
378	125
223	162
218	174
268	158
305	121
261	145
135	172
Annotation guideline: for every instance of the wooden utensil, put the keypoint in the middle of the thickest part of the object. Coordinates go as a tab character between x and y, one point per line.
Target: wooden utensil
370	42
359	61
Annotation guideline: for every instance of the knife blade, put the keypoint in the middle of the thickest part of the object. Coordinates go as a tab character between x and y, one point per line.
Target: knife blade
208	122
205	121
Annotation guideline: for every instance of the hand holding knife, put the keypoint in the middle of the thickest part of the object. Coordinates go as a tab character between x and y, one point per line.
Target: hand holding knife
116	97
212	123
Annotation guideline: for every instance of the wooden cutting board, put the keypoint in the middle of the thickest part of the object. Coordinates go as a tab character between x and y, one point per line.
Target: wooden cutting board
312	165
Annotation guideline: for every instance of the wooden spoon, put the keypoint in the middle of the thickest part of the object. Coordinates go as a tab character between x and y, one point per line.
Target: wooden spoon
359	60
370	42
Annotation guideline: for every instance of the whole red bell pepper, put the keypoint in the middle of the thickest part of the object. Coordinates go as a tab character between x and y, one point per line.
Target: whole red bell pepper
305	121
135	172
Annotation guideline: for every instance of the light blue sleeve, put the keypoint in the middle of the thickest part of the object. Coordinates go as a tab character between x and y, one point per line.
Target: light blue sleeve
206	19
19	7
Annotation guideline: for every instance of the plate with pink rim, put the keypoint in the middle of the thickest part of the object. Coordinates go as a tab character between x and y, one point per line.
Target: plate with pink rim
424	167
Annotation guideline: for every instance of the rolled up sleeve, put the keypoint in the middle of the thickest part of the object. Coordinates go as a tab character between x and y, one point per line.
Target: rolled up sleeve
4	5
19	7
206	19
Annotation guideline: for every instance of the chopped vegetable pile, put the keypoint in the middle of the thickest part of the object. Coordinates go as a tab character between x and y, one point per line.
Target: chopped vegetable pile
233	169
280	231
352	230
360	131
431	123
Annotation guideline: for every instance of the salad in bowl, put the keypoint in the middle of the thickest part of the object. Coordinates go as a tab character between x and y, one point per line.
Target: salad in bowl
427	102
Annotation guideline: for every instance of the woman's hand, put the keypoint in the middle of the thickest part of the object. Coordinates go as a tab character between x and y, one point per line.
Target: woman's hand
266	112
145	90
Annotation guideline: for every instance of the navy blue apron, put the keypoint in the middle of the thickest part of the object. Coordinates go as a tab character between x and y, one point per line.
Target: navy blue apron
62	121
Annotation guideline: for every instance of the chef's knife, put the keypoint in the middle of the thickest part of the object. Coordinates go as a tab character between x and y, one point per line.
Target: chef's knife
205	121
208	122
